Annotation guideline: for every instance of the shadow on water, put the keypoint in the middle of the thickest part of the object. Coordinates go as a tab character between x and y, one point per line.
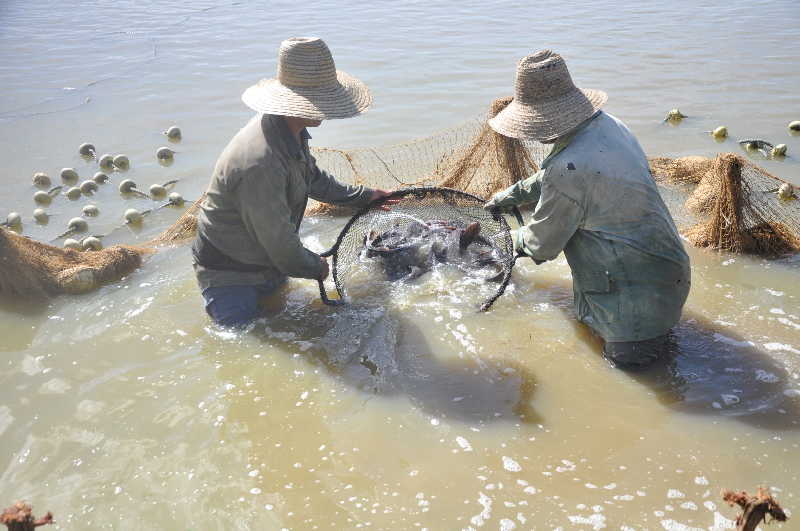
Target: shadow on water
712	371
377	350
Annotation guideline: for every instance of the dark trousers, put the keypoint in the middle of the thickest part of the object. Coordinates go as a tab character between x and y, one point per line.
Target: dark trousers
636	354
237	306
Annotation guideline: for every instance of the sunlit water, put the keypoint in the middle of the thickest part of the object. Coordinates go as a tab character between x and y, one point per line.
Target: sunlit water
126	408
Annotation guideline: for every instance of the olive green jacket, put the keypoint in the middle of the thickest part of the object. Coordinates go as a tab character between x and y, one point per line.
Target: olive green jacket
255	203
597	202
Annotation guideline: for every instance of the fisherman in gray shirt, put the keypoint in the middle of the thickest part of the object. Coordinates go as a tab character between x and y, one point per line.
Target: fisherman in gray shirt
596	201
247	240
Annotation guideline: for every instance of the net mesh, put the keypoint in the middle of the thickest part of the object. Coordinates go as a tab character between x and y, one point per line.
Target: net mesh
429	227
725	203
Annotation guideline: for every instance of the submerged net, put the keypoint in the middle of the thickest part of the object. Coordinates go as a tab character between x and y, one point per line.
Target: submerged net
428	228
725	203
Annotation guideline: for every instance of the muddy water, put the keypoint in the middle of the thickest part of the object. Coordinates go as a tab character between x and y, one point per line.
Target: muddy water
127	408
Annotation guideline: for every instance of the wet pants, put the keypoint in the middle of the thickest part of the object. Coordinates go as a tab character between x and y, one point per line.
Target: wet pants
635	354
237	306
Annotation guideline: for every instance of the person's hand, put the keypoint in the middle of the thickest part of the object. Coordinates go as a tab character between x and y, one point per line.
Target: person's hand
379	194
324	269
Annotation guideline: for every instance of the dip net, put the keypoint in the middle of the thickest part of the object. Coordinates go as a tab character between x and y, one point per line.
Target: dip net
725	203
429	227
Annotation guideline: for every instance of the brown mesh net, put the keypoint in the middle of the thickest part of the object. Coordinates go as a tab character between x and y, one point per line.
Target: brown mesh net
724	203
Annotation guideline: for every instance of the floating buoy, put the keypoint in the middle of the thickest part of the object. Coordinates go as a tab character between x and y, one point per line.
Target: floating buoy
133	216
127	186
779	150
121	162
88	187
73	193
164	153
786	191
13	219
90	210
42	180
69	175
40	215
92	243
720	132
42	198
78	225
175	199
100	178
106	162
87	150
674	115
173	133
794	126
157	190
71	243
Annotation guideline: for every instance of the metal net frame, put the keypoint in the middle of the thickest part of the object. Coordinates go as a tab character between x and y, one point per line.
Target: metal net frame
424	205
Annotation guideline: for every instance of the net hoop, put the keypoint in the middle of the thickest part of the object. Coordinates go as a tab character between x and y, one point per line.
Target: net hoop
420	193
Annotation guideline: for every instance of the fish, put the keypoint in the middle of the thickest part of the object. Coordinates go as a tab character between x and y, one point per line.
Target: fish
407	251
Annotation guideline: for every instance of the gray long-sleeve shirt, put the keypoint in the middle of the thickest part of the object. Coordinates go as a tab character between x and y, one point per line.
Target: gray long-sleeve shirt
596	201
256	201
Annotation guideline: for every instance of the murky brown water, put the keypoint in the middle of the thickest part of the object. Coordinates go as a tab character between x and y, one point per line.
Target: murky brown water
127	409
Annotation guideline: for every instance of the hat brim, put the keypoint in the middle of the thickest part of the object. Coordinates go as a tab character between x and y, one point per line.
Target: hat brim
346	98
548	120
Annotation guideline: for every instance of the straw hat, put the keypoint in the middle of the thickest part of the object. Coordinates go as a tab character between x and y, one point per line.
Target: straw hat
308	85
546	103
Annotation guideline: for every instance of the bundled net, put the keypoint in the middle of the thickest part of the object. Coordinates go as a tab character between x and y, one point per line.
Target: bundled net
726	203
733	204
429	227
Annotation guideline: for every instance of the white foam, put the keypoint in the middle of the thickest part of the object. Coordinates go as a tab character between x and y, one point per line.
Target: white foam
597	521
464	444
781	346
511	465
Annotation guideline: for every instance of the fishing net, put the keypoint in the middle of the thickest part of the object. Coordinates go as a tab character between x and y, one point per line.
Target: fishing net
725	203
429	227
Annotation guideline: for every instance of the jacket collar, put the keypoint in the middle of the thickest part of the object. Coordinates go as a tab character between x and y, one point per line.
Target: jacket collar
562	142
273	124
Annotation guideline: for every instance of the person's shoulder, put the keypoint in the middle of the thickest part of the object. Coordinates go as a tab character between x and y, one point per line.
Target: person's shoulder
248	152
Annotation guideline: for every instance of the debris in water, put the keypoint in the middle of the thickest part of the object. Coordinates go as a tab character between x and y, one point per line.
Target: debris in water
100	178
19	517
73	193
173	133
133	216
164	153
88	187
87	150
754	508
69	175
91	211
106	162
42	180
720	132
756	144
674	116
121	162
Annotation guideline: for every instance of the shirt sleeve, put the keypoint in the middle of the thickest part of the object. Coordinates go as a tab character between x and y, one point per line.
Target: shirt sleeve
323	187
520	193
267	217
555	220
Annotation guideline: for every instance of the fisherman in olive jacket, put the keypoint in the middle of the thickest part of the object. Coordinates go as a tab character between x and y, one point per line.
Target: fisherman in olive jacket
247	240
595	200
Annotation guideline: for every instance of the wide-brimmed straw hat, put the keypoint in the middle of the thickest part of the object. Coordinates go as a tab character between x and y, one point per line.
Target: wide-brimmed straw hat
546	103
308	85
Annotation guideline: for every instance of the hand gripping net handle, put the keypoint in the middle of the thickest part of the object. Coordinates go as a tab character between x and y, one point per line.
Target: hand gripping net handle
420	192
